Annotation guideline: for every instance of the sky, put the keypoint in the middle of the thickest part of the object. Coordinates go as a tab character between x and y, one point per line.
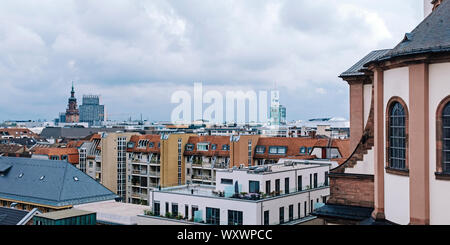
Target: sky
137	53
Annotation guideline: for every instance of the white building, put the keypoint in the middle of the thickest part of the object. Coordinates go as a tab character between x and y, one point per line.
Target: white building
271	195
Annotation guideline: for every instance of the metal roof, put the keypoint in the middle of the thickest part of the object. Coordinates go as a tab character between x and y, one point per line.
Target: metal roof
52	183
432	35
64	214
345	212
355	70
10	216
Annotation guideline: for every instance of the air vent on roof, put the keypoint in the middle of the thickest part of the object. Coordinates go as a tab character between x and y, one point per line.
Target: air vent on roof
408	37
42	177
76	178
20	175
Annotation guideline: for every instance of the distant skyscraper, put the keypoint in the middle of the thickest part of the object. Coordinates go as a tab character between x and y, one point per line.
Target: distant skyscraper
91	111
277	111
72	113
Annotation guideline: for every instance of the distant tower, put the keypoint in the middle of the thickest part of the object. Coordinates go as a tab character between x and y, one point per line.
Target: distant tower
72	113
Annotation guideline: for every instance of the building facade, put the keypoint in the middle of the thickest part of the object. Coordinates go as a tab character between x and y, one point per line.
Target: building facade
91	111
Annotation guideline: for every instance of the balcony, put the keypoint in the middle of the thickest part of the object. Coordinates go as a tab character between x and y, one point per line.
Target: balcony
139	195
140	172
155	174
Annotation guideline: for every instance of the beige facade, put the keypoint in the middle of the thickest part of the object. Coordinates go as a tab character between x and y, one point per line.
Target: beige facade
172	159
113	166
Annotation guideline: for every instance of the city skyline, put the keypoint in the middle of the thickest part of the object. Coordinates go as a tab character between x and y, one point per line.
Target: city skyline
137	65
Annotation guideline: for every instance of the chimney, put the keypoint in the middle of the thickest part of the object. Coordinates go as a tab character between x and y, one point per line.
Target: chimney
430	6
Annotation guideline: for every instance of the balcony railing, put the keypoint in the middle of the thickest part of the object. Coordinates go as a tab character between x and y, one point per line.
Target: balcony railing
140	172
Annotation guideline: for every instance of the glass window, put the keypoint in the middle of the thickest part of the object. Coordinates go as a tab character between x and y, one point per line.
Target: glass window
397	136
291	212
226	181
303	150
202	147
213	216
235	217
174	209
286	185
260	149
300	183
446	139
213	147
266	217
157	209
281	215
268	189
253	186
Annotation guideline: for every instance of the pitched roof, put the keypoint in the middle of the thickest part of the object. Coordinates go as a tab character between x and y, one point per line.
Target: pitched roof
219	141
432	35
10	216
51	183
356	69
152	138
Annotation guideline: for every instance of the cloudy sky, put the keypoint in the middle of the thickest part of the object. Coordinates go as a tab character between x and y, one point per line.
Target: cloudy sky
136	53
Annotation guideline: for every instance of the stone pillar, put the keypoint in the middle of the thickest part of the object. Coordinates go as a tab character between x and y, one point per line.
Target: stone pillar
356	112
378	213
419	178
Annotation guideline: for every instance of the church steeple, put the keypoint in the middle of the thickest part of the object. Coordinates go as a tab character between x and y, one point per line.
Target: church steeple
72	112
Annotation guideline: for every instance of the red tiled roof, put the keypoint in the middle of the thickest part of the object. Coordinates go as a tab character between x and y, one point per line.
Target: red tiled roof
219	141
72	153
152	138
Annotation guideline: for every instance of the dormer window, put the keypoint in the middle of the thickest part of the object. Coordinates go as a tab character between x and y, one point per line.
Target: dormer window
202	147
260	149
189	147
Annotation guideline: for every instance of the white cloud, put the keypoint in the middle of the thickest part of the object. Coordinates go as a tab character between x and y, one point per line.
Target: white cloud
140	47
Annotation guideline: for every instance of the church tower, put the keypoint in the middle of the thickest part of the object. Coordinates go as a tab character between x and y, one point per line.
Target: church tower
72	112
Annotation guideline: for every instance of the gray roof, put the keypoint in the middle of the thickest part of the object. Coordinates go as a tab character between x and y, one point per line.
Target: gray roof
355	70
343	212
430	36
51	183
64	214
72	133
9	216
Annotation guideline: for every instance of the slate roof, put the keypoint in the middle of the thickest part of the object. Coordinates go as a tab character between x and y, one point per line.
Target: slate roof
62	184
355	70
432	35
9	216
344	212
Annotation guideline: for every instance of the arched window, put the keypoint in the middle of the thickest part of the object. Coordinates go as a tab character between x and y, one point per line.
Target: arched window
397	136
446	138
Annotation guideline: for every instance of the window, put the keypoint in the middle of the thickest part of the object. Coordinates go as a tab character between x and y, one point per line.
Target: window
286	185
167	207
226	181
157	209
186	211
193	210
174	209
443	139
225	147
326	178
260	149
202	147
299	183
315	180
299	210
291	212
151	145
303	150
266	217
189	147
305	205
253	186
268	189
397	136
277	187
277	150
213	216
235	217
309	150
282	215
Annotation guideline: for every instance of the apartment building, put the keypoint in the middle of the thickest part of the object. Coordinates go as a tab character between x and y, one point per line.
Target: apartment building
114	162
283	193
144	167
90	157
173	163
203	156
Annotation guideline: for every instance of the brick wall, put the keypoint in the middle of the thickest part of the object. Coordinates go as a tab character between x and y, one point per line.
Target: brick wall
352	190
